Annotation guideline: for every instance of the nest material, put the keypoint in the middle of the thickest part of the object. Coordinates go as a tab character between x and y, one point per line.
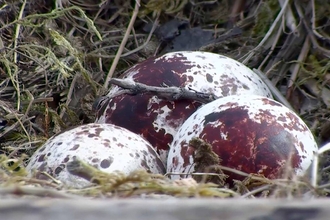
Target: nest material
55	56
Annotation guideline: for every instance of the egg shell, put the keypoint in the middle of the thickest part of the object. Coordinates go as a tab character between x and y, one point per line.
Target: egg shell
105	146
253	134
158	120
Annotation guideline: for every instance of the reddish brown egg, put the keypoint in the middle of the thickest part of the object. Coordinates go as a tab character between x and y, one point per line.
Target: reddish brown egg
156	119
253	134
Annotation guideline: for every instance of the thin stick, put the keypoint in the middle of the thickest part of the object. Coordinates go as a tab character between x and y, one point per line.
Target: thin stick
145	43
316	45
257	190
315	167
302	56
275	41
290	20
17	32
268	34
69	95
277	94
313	22
168	93
122	45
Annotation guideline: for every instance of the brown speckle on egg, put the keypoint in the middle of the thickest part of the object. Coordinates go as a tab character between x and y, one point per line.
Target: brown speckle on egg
59	169
157	120
75	147
91	135
247	135
209	78
41	158
126	153
95	160
105	163
66	159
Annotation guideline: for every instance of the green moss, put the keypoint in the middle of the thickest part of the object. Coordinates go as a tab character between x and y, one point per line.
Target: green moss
315	69
265	17
13	167
166	6
322	10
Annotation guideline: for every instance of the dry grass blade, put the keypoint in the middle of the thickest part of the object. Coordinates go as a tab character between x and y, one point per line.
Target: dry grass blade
269	33
140	182
122	44
277	94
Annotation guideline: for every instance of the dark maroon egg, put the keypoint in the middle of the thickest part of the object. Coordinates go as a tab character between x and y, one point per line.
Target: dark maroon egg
252	134
158	120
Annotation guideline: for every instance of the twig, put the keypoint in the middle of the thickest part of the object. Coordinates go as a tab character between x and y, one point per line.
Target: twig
169	93
236	10
17	32
39	182
69	95
11	127
277	94
203	2
315	164
302	56
323	186
38	100
122	45
313	22
310	32
154	26
235	32
289	18
277	37
31	97
224	168
24	117
268	34
257	190
135	37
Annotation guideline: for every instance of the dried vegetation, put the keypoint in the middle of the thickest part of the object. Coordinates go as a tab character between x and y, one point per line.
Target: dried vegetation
56	57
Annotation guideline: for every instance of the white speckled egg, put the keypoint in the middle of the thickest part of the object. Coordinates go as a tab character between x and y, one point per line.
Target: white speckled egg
104	146
158	120
250	133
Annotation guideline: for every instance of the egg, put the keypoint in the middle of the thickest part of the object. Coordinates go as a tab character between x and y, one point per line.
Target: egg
249	133
157	119
107	147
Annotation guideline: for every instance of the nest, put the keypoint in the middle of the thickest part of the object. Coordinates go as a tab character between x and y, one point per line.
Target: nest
57	57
